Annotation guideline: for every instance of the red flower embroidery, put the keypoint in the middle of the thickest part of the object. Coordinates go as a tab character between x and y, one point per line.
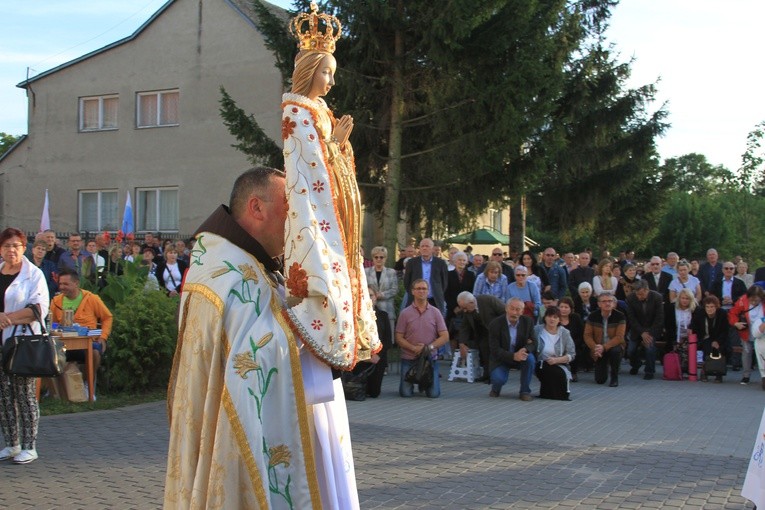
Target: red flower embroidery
297	281
324	226
288	126
318	186
342	336
311	137
346	306
317	325
325	303
336	267
294	109
305	122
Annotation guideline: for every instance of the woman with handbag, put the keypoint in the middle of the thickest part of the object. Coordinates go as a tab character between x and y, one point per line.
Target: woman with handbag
555	351
21	284
710	323
677	324
170	272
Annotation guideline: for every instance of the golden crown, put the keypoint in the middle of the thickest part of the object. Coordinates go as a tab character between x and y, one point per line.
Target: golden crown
315	31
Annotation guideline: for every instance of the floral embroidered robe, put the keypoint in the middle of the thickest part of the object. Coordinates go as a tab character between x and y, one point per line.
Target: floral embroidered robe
330	309
240	430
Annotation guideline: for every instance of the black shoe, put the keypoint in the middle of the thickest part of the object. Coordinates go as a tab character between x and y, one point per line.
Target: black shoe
634	371
647	377
614	383
574	378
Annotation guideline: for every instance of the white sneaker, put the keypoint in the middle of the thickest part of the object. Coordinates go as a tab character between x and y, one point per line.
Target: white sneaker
9	452
25	457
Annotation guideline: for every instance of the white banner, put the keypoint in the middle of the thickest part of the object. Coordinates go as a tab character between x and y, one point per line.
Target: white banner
754	484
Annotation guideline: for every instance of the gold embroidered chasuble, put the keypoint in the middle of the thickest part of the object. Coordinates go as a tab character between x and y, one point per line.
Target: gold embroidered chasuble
330	308
240	430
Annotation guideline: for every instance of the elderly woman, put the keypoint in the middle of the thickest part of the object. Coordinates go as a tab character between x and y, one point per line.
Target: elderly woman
742	273
491	282
555	350
684	280
22	285
525	291
47	267
584	301
604	282
383	285
710	323
459	280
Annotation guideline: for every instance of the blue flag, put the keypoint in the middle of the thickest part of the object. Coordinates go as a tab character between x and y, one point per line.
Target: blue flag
127	218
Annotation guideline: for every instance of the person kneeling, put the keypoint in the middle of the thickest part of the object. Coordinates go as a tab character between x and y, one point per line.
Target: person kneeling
555	350
420	327
511	346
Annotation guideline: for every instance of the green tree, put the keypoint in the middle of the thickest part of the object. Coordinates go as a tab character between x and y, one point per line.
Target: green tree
692	173
595	165
6	142
444	95
752	171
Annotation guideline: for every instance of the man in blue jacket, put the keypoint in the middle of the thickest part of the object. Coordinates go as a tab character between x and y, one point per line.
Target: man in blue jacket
556	274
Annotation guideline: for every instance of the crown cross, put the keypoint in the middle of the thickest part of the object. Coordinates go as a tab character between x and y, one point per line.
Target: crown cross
315	31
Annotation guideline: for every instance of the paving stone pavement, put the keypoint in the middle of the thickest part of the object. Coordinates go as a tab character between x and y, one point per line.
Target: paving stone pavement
645	444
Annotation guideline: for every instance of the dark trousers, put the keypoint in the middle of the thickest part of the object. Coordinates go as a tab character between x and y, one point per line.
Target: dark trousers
637	351
612	358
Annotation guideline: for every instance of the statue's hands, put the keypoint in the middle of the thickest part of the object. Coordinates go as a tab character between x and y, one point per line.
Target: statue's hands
343	129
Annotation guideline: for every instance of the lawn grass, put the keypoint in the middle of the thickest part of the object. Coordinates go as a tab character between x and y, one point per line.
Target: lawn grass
51	406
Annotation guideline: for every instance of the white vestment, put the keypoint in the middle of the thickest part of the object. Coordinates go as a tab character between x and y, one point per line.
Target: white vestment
241	432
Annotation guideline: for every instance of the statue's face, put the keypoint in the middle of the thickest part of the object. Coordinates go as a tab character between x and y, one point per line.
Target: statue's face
323	77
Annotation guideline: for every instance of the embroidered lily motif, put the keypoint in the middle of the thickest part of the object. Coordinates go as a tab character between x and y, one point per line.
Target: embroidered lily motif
277	455
244	293
246	362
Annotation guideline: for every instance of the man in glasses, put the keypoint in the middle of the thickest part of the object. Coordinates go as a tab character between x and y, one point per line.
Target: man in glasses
728	290
499	257
420	331
657	279
556	274
604	336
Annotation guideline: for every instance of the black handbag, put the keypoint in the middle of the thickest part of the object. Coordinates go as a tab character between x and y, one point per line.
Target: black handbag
421	372
33	355
355	385
715	363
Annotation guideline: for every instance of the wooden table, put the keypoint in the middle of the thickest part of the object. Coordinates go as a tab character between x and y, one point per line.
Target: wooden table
79	343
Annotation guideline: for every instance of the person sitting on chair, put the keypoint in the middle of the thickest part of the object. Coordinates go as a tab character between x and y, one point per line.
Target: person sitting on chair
89	311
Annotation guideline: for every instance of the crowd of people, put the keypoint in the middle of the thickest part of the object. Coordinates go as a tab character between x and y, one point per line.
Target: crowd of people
47	276
557	316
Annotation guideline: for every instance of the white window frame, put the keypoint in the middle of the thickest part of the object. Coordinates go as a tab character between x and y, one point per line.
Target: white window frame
100	99
155	123
140	213
495	219
99	213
